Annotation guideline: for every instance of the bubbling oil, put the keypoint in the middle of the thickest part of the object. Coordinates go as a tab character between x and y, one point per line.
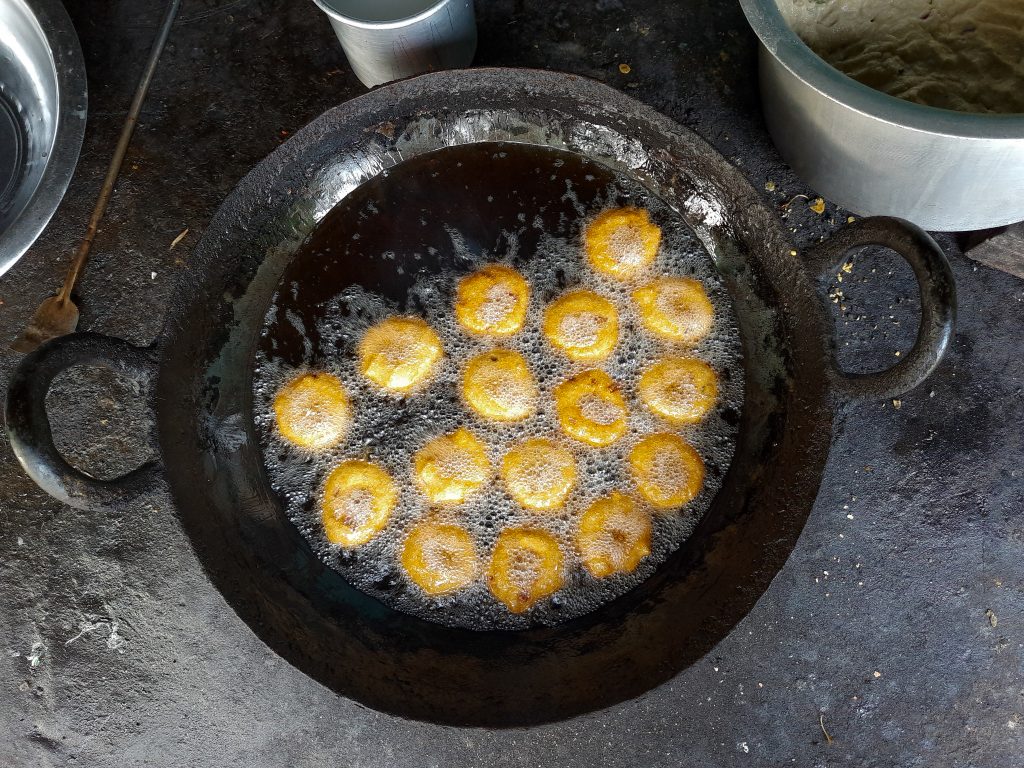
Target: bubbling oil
399	246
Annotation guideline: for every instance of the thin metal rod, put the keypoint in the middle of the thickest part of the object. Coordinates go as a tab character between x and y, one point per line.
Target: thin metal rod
82	254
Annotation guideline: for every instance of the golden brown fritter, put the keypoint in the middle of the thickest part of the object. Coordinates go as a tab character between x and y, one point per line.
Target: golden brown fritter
399	353
358	500
582	324
312	411
591	408
526	567
675	309
622	242
498	385
452	467
614	535
492	301
539	473
439	557
682	390
667	471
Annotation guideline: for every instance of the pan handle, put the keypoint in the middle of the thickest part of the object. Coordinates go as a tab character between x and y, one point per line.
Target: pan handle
938	302
28	426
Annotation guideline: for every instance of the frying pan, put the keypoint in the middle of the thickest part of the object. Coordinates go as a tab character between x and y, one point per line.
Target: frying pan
199	376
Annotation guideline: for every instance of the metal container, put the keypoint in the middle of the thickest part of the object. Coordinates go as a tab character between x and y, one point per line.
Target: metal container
387	41
878	154
42	118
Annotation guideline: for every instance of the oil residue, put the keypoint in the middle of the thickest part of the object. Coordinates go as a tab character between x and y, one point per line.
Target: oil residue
398	245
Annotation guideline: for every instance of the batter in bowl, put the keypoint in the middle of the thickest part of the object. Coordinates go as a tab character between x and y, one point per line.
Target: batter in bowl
964	55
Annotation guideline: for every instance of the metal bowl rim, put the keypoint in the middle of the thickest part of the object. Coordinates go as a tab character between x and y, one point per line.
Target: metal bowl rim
405	21
72	107
803	63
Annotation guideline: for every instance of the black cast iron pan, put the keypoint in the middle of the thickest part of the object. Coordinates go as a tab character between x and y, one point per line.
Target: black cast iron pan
200	371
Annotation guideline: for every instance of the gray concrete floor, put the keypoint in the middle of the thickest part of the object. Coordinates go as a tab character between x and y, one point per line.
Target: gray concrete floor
896	624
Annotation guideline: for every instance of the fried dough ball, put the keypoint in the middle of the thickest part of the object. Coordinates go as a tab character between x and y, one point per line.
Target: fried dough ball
614	535
312	410
539	473
591	408
399	353
451	467
675	308
359	497
526	567
667	471
492	301
582	324
621	242
680	389
499	386
439	557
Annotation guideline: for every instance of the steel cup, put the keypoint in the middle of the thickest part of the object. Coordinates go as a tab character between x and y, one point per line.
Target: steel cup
394	39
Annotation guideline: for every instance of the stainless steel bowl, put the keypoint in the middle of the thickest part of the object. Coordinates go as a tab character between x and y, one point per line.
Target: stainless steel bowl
877	154
42	118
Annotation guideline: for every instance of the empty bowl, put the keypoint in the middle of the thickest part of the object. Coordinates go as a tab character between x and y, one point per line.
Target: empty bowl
42	118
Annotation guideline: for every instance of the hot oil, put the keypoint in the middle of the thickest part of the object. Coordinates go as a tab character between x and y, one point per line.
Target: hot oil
398	245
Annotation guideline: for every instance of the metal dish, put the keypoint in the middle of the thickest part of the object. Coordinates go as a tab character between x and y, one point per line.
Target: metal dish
876	154
201	374
42	118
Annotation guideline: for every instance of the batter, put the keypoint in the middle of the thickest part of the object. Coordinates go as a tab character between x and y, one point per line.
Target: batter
965	55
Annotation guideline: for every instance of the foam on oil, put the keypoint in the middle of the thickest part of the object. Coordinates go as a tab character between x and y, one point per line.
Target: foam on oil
388	430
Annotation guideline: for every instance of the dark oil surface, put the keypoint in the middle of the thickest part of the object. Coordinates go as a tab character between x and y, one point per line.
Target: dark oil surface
481	191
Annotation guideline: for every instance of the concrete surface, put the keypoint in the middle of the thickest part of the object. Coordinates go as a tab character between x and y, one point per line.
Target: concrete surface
893	637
